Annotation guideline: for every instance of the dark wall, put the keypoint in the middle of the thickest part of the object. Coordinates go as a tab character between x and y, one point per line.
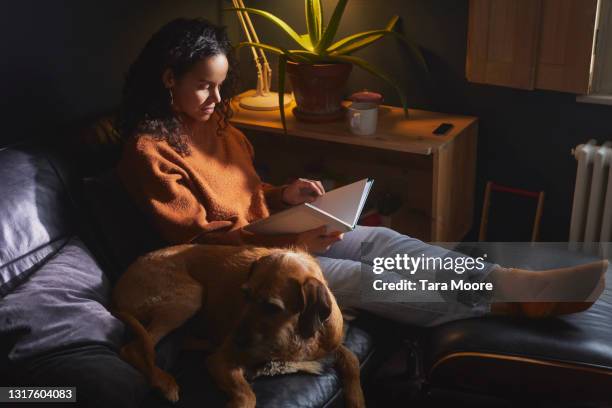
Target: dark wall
66	59
525	136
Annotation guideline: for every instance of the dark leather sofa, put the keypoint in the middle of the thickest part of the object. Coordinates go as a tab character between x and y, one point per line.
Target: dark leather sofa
57	265
59	257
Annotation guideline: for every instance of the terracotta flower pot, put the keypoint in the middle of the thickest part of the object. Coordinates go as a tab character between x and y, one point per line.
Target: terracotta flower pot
318	90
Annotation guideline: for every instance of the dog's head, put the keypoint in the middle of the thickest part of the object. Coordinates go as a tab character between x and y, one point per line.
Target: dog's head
287	302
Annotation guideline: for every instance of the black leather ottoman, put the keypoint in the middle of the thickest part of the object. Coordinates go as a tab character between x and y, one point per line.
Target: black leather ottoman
563	360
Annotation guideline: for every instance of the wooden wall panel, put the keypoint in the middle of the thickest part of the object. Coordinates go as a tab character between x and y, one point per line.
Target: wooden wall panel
503	41
566	42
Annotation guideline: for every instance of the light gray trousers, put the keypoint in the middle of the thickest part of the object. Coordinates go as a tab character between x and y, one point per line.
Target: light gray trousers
348	270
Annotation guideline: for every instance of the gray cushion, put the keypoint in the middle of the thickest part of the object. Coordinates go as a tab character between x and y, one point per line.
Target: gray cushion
62	304
33	214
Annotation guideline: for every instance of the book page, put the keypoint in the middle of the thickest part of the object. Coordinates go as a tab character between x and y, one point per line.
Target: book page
295	220
346	202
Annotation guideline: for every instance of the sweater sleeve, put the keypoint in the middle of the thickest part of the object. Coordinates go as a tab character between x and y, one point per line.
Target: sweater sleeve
160	186
274	196
163	189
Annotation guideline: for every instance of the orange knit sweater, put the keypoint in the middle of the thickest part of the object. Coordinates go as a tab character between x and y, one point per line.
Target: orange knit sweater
203	196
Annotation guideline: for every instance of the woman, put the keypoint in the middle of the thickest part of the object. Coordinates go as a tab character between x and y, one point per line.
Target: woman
192	172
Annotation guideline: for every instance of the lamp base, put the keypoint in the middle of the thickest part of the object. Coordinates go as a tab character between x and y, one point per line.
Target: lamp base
268	102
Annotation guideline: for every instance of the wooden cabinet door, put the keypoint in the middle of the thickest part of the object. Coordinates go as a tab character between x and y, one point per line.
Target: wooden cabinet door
503	42
544	44
566	41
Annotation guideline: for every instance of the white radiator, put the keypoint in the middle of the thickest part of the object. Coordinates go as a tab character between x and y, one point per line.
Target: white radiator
591	223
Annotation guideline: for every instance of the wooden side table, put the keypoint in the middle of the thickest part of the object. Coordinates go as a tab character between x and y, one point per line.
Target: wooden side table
433	175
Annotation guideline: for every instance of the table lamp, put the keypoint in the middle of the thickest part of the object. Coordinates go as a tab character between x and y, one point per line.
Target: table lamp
261	98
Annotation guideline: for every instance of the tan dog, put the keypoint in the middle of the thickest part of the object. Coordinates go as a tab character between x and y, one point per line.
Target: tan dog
256	305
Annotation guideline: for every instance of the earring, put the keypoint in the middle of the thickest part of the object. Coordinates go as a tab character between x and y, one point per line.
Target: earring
171	96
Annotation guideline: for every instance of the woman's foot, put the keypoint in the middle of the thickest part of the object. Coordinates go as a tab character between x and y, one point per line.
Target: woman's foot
537	294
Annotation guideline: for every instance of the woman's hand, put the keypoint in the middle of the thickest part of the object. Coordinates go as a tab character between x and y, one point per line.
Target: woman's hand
302	191
317	241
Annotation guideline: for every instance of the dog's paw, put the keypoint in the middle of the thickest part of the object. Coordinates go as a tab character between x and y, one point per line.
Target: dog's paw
167	385
172	394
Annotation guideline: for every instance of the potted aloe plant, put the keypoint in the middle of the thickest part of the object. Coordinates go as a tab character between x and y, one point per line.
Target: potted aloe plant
319	69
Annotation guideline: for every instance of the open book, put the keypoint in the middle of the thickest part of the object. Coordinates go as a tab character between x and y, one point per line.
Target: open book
337	209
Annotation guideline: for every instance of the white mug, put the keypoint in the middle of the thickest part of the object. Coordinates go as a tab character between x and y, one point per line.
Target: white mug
363	118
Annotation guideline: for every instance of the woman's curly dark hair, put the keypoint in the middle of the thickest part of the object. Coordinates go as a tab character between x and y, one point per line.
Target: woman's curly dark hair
179	45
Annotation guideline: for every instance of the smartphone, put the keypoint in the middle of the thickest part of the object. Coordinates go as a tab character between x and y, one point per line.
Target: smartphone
443	129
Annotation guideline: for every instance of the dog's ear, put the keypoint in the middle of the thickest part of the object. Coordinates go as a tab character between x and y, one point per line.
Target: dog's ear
316	308
245	288
252	268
